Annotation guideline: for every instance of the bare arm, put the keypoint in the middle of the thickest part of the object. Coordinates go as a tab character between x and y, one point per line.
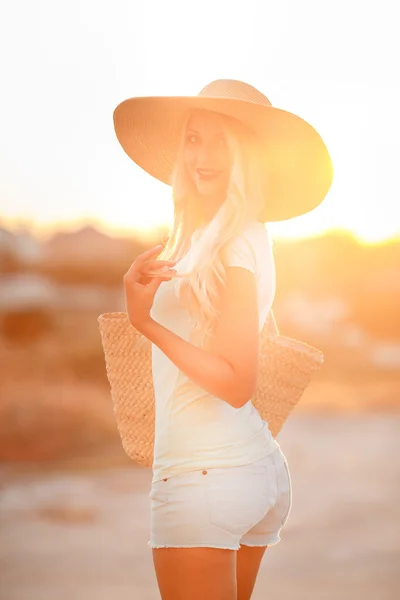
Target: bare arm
227	367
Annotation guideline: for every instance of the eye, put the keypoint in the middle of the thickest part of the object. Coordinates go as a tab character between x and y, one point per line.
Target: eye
222	141
192	138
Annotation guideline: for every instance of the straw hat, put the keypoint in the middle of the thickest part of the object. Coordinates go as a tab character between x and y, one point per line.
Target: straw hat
296	167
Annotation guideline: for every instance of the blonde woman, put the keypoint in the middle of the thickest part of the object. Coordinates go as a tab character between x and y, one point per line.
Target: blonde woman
221	490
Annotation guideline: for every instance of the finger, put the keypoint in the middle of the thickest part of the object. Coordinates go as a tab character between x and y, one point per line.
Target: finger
154	284
152	265
138	263
168	274
144	256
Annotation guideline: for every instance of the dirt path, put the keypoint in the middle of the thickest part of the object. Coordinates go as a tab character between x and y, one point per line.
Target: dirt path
83	536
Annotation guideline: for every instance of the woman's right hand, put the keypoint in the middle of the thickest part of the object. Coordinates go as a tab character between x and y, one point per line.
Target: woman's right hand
153	267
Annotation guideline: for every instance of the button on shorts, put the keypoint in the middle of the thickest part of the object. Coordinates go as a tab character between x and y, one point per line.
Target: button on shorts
222	507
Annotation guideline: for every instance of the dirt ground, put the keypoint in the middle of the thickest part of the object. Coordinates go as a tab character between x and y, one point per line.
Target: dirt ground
80	532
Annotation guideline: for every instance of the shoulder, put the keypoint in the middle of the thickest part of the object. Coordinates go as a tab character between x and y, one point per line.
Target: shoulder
251	248
254	233
257	234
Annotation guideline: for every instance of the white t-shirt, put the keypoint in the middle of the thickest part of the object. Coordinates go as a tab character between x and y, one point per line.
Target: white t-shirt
195	430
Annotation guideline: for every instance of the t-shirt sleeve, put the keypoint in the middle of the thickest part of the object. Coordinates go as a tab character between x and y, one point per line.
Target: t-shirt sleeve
252	250
240	252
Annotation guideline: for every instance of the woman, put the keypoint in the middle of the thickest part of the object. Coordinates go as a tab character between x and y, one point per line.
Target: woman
221	491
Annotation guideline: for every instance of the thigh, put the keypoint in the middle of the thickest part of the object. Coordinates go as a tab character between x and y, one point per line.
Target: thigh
195	573
248	560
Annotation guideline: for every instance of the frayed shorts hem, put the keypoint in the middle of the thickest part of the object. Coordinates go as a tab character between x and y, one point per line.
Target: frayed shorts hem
272	543
156	546
205	545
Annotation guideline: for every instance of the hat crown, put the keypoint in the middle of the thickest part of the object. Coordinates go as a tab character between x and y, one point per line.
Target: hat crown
231	88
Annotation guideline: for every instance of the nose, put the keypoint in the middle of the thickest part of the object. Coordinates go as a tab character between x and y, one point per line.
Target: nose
206	157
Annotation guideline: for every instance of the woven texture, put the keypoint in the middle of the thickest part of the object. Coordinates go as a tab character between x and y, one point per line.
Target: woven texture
286	367
295	167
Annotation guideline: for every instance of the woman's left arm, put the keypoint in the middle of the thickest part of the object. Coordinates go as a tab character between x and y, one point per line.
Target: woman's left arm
227	367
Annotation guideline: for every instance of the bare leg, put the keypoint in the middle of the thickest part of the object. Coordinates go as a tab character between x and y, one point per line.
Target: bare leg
195	573
247	566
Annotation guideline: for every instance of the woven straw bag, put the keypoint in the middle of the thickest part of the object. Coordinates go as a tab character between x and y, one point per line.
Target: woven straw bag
286	367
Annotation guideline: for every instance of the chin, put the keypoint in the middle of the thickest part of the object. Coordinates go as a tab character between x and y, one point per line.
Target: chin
210	190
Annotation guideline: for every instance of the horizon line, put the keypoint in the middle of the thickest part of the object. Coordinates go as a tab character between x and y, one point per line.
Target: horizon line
46	230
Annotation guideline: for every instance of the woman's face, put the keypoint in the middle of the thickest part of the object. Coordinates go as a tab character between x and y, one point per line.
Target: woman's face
206	153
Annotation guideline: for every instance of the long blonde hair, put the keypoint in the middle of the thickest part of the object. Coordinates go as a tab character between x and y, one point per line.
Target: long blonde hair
244	202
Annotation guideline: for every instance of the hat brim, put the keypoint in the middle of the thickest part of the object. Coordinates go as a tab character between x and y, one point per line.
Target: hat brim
297	169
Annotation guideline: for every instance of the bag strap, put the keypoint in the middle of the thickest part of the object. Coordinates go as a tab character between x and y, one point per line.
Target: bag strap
271	323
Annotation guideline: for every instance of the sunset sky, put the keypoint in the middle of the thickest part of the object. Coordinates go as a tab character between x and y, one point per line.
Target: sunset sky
66	65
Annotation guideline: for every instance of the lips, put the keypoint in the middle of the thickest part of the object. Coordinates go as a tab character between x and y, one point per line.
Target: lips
207	174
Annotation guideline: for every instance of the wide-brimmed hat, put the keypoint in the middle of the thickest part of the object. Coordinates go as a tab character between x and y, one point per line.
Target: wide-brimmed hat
296	169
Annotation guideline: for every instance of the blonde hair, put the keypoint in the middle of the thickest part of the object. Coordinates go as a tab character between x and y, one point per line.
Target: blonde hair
244	202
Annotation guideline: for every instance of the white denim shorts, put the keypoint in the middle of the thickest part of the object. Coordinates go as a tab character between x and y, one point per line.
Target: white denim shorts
223	507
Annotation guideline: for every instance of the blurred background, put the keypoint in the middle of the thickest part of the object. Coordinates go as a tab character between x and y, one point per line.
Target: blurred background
74	214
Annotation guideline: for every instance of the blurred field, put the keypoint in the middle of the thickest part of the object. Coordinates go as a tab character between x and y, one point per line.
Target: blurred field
74	511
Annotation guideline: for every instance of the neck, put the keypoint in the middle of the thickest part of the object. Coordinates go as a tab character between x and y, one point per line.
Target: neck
210	205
